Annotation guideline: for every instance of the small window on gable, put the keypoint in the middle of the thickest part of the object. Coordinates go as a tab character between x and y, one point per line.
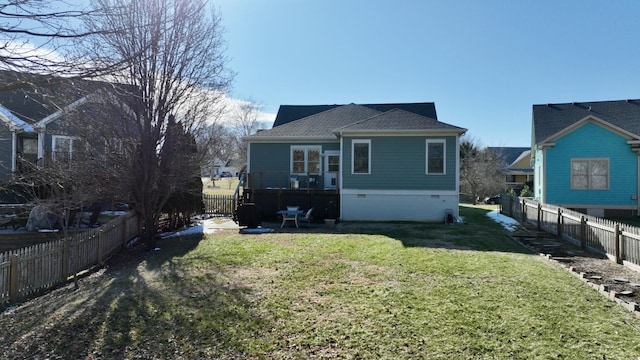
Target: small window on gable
361	157
305	160
436	156
589	174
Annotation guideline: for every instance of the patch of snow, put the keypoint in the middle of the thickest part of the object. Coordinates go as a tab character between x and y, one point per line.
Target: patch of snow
506	222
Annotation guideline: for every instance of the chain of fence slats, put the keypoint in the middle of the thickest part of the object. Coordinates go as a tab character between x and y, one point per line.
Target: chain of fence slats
620	242
219	204
36	268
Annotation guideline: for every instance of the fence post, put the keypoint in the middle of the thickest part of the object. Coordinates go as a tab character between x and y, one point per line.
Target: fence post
539	216
524	210
123	232
66	258
616	235
14	279
100	241
559	223
583	232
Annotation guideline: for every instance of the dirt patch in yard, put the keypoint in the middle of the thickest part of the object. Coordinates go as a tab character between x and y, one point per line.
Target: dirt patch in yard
618	282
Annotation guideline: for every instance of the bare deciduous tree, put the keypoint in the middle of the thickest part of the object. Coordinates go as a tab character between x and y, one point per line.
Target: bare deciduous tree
40	36
245	122
480	170
173	52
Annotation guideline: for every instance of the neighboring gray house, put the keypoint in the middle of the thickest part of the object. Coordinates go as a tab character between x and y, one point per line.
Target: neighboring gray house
386	161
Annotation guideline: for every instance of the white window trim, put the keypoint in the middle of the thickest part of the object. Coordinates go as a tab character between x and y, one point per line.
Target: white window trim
306	149
589	160
353	143
54	139
444	156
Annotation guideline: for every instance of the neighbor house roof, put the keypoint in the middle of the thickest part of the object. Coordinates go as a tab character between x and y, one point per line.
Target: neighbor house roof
510	154
550	120
41	96
397	120
288	113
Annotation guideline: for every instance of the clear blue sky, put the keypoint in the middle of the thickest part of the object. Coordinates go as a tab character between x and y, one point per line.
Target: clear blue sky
483	63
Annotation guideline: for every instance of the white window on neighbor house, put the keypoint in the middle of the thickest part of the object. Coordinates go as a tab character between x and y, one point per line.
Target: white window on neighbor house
361	157
590	174
436	155
305	160
63	147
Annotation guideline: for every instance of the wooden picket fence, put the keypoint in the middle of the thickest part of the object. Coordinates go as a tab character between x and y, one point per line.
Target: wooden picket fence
31	270
620	242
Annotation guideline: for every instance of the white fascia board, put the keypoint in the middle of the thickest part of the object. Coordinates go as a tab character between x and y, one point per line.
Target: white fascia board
14	122
43	123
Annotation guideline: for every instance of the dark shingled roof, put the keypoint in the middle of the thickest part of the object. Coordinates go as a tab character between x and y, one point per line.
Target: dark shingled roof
320	125
509	154
42	95
288	113
550	119
399	120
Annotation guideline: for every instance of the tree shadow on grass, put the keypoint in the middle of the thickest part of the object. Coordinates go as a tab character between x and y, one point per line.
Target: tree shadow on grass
141	306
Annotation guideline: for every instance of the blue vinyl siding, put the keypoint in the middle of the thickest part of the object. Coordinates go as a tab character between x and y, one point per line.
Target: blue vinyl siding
271	162
399	163
591	141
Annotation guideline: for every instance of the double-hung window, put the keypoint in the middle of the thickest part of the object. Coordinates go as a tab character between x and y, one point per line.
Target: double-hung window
436	155
63	147
361	156
590	174
305	160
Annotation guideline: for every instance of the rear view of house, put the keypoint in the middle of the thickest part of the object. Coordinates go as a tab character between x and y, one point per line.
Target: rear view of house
385	161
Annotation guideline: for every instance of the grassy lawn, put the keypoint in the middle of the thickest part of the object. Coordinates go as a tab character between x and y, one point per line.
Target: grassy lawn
223	186
365	291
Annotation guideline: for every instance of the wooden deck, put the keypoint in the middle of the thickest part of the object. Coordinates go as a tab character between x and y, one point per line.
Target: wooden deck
325	203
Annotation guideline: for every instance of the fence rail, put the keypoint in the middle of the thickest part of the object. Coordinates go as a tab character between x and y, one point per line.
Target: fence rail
30	270
620	242
219	204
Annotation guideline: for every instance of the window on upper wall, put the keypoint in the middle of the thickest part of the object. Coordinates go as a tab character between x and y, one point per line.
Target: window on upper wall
63	147
436	157
361	156
305	159
590	174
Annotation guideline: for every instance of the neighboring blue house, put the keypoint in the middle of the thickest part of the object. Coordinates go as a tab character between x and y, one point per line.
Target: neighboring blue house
586	156
386	161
